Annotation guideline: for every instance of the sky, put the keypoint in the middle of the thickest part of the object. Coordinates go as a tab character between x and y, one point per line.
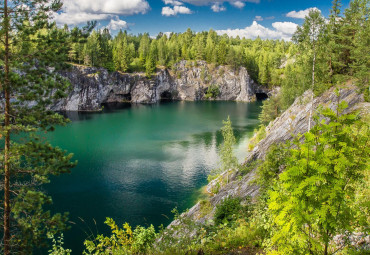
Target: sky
268	19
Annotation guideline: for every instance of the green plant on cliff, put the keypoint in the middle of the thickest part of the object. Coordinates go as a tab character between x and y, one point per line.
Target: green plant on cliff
213	92
228	161
259	134
227	209
314	198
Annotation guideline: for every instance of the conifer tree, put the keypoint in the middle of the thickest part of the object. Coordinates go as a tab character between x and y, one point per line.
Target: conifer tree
228	160
144	48
32	49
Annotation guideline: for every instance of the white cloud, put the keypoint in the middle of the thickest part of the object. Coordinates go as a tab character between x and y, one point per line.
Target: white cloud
300	14
282	30
217	7
287	28
120	7
79	17
168	11
172	2
117	24
168	34
238	4
76	12
258	18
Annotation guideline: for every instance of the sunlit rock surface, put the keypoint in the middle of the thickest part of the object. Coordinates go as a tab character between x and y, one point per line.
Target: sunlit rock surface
292	122
188	80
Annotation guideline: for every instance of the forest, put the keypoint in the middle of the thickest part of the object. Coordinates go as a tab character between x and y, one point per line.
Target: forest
323	191
336	47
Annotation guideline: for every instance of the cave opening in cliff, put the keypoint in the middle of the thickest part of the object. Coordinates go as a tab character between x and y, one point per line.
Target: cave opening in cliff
166	96
261	96
126	97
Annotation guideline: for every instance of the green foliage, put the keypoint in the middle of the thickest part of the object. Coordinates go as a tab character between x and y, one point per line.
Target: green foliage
122	240
323	54
57	248
247	168
205	208
33	51
118	243
258	136
213	91
227	209
274	163
150	66
228	160
271	109
239	232
313	198
143	239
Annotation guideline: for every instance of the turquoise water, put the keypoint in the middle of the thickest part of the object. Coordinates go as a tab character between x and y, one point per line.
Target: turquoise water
137	163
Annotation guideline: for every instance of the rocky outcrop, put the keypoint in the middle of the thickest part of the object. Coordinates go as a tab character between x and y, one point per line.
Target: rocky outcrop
188	80
292	122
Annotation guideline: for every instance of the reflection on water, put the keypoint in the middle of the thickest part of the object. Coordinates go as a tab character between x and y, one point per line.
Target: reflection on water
136	164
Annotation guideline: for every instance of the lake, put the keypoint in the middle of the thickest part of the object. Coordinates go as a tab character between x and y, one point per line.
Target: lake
138	162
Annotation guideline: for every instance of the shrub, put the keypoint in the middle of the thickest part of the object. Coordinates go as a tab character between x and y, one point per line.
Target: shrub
143	239
259	135
226	209
213	91
122	240
58	248
205	208
221	72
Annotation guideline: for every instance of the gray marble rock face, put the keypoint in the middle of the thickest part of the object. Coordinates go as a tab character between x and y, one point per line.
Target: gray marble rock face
292	122
188	80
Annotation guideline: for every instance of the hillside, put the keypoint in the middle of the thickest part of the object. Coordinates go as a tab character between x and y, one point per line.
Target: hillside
242	185
292	122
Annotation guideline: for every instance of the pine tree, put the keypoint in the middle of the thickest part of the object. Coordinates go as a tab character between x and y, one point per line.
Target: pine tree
144	48
150	65
356	27
228	160
32	49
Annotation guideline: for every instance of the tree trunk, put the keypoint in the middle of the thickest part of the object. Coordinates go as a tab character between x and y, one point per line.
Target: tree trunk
7	136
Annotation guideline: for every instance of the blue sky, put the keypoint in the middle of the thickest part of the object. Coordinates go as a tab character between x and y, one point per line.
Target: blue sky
276	19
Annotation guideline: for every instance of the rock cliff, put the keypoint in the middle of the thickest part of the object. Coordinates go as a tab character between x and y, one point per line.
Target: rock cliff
188	80
292	122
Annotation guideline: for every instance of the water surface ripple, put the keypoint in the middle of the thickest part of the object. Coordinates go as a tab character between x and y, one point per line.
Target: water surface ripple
136	164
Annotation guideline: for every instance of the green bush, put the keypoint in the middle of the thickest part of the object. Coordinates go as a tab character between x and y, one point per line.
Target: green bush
259	135
57	248
122	240
143	239
213	91
226	209
205	208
